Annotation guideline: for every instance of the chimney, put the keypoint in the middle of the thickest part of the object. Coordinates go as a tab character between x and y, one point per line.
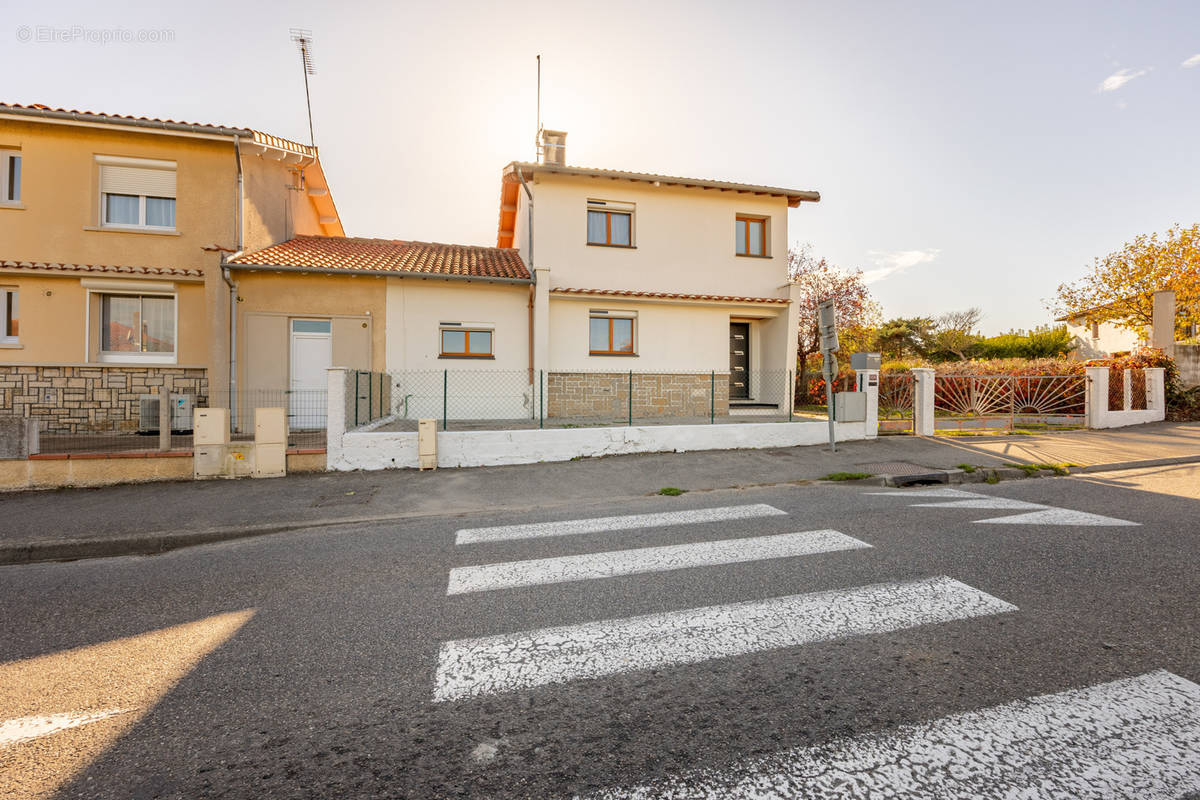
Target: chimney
554	147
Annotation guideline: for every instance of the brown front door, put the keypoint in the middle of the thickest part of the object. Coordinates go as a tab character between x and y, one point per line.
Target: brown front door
739	361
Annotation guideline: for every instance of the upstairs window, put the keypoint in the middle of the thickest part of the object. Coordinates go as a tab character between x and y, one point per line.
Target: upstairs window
9	316
609	223
751	236
135	196
466	343
610	336
10	176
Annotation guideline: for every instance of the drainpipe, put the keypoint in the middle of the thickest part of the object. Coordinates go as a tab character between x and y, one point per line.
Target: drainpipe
532	288
237	156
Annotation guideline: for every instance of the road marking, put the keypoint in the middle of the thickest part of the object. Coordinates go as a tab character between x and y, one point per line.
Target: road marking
512	661
1057	516
982	502
646	559
927	493
24	729
1134	738
571	527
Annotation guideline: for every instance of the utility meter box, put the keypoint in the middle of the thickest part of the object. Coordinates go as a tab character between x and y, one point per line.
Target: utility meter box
211	426
427	444
850	406
270	426
866	360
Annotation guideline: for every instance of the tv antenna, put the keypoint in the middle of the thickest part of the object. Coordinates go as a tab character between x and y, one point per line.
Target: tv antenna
303	39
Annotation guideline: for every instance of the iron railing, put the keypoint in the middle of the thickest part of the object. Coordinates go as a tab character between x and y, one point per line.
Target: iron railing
1007	402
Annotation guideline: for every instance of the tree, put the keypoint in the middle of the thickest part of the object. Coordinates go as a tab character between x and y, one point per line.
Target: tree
1120	287
955	332
820	280
902	335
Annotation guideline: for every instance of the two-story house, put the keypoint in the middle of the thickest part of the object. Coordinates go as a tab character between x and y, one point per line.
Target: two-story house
601	281
112	232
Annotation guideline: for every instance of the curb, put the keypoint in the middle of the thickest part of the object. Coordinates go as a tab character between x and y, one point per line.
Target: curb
156	543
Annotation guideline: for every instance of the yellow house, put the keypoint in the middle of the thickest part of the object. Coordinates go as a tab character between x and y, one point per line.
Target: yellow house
113	230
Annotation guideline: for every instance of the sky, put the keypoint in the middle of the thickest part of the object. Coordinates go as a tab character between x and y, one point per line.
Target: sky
967	154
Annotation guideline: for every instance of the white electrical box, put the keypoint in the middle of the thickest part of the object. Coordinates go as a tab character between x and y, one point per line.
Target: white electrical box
211	426
427	444
850	406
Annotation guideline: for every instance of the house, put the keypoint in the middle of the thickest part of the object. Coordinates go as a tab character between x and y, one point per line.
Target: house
112	232
607	291
1093	335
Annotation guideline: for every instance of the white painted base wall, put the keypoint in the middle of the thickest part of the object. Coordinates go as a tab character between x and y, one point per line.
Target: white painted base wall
395	450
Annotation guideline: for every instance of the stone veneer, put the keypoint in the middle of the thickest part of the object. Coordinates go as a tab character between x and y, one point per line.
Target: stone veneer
104	397
606	394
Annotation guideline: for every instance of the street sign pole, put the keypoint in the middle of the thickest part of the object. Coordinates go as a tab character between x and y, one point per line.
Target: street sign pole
827	321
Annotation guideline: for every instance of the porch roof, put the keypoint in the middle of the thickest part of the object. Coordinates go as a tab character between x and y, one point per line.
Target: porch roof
721	298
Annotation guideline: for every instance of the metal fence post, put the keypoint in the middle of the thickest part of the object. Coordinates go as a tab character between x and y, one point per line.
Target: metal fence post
542	398
445	398
712	397
357	375
790	391
631	398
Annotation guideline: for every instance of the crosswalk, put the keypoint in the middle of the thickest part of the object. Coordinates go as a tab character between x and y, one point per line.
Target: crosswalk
1100	741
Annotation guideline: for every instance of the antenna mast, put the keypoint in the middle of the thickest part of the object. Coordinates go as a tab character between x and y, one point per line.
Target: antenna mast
303	39
537	139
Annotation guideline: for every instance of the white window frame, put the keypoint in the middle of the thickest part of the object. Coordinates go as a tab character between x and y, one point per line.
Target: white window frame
137	163
612	207
117	357
5	339
5	198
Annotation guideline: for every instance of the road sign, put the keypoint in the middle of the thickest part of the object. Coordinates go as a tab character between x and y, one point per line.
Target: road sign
827	322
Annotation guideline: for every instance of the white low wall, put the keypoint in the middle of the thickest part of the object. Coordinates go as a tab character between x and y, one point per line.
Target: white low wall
360	450
1098	414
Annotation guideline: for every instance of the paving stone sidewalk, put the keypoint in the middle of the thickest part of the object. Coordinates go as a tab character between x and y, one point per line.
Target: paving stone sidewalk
147	518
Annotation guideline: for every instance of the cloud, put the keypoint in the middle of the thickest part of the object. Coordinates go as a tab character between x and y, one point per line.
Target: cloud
1194	61
889	262
1120	78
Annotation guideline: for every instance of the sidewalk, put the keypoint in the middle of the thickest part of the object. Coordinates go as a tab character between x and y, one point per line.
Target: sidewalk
148	518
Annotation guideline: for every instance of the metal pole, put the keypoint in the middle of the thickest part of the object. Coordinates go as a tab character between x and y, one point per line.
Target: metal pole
357	375
791	396
445	396
830	369
542	398
631	398
712	397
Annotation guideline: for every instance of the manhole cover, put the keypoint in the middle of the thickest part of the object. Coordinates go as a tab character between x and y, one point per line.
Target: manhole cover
895	468
350	498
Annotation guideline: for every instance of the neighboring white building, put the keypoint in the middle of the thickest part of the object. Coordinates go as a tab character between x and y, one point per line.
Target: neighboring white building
683	277
1093	338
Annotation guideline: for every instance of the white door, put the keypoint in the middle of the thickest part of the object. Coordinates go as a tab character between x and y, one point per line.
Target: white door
312	356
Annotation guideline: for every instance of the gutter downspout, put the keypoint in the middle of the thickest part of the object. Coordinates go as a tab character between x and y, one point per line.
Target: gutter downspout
532	274
225	273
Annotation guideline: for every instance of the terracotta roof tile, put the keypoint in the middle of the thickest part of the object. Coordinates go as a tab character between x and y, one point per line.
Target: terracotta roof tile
39	266
724	298
337	254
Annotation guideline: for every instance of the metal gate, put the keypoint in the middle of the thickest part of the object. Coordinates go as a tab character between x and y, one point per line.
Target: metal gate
896	394
1008	402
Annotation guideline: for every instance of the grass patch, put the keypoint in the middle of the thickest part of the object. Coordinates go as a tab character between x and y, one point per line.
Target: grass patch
671	491
967	468
1057	469
846	476
993	478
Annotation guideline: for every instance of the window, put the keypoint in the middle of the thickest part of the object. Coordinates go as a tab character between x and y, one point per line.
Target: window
10	176
466	343
137	324
610	336
610	223
137	193
751	236
9	316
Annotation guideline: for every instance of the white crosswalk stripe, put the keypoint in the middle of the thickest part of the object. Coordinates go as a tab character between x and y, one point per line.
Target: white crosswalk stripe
574	527
1132	739
555	655
511	574
1058	516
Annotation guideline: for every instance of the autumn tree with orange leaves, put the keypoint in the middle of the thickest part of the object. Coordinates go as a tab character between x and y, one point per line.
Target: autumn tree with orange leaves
1120	287
819	280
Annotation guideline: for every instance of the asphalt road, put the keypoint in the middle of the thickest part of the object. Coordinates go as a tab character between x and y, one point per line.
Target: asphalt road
903	651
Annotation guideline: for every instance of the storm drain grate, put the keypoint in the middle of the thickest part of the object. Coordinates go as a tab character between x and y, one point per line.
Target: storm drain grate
895	468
